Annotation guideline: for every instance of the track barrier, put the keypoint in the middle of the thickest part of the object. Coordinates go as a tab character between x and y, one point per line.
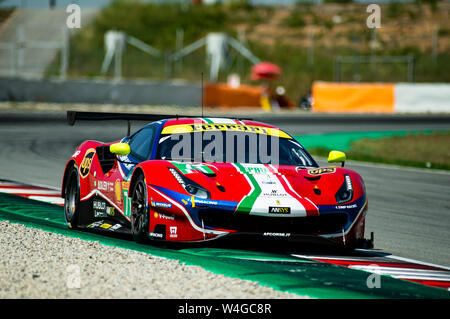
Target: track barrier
381	97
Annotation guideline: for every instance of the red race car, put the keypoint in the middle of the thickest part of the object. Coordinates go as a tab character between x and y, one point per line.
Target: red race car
193	179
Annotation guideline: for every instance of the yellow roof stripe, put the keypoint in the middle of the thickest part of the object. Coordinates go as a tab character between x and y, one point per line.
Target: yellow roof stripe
204	127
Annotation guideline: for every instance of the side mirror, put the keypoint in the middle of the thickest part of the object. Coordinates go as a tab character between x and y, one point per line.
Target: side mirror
336	157
120	148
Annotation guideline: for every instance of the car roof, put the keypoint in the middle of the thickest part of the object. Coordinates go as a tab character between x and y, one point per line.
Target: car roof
213	120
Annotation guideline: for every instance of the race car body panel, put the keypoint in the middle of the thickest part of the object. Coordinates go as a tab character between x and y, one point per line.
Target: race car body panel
198	199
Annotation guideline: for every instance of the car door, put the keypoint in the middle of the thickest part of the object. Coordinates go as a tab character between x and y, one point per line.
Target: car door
114	184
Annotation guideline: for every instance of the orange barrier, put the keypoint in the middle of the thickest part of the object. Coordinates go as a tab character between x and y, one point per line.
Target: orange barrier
222	95
353	97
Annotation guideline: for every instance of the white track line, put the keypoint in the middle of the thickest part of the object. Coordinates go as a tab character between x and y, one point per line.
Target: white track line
436	274
331	257
28	191
368	259
48	199
416	262
5	181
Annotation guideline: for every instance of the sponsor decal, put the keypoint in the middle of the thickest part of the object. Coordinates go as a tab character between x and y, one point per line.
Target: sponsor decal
279	210
274	192
99	208
76	154
95	224
105	186
85	166
110	211
205	202
257	170
126	203
277	234
163	216
100	205
116	227
322	170
346	206
204	127
161	204
118	190
173	231
123	190
188	168
99	224
105	226
156	235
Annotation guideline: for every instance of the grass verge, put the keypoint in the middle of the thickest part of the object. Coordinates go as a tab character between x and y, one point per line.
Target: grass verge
416	150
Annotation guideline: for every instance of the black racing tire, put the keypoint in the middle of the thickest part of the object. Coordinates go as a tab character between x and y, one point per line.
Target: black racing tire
139	211
72	199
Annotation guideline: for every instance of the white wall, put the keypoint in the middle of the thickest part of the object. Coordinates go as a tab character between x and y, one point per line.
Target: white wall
422	97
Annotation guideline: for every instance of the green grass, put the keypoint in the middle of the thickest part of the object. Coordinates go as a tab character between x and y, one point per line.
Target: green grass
416	150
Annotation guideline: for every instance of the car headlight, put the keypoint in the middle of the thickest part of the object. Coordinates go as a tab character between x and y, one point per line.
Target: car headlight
190	186
345	192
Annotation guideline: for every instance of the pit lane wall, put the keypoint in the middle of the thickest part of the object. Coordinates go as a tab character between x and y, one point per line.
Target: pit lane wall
99	91
381	97
138	92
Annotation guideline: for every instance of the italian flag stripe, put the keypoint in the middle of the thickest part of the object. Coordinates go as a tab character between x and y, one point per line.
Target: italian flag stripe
247	202
310	207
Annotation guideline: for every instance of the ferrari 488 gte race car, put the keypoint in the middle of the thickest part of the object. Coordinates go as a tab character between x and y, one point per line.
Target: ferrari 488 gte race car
189	179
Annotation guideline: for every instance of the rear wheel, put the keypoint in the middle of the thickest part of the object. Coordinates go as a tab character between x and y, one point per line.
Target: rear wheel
72	199
139	211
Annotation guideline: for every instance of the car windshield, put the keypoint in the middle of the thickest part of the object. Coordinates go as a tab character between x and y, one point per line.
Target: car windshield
233	147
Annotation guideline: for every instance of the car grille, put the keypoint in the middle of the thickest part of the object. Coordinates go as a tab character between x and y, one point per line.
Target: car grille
250	223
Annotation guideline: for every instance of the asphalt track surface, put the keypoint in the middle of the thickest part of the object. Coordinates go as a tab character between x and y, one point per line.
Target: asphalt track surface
409	210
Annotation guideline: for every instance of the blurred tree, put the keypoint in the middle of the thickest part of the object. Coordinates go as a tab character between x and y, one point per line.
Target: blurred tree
432	3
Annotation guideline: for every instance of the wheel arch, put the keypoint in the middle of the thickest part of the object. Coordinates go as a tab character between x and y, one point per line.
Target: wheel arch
137	172
69	166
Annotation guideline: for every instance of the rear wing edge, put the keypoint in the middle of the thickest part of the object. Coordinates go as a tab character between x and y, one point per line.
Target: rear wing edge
74	116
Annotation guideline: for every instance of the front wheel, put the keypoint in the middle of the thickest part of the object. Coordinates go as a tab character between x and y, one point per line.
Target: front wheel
139	211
